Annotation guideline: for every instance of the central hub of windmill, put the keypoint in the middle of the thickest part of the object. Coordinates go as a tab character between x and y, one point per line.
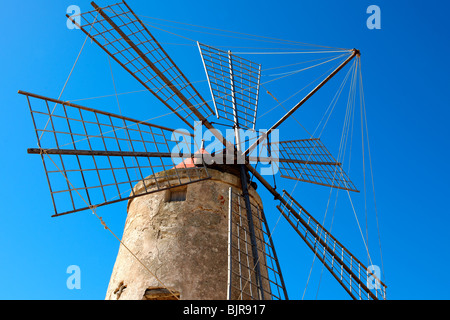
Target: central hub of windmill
181	235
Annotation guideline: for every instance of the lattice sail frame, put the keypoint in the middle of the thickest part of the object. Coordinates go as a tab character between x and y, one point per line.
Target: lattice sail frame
94	158
355	277
121	34
234	84
118	31
243	283
308	160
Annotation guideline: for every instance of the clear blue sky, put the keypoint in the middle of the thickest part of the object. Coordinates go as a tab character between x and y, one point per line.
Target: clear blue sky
405	69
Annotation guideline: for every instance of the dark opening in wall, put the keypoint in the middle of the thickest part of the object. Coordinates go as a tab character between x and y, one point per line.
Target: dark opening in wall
176	194
161	294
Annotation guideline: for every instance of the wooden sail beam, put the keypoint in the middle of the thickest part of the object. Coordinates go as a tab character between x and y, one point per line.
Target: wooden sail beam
355	52
109	114
168	83
318	238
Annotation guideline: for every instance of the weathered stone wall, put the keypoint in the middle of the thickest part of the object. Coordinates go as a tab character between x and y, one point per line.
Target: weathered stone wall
183	243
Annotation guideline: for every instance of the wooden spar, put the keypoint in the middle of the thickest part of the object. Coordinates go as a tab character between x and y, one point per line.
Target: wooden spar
355	52
177	92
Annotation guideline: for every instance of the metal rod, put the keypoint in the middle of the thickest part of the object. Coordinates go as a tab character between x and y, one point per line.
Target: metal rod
230	241
147	61
283	286
70	104
168	57
152	154
251	228
102	153
268	159
308	228
209	81
320	184
179	94
306	98
233	101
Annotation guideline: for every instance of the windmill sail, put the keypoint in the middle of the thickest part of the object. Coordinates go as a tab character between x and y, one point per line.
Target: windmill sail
234	84
93	158
120	33
309	160
354	277
243	281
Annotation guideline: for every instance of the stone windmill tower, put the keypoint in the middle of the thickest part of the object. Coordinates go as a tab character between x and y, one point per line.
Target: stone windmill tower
195	226
183	234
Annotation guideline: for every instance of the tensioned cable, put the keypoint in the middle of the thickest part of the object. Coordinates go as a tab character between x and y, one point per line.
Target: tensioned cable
172	112
293	42
364	176
279	103
228	36
359	227
332	103
191	82
130	146
291	52
67	80
362	99
290	97
261	84
129	92
68	181
316	65
253	270
343	146
80	195
292	64
107	228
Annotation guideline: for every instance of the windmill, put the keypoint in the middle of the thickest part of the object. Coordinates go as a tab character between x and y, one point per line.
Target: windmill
102	156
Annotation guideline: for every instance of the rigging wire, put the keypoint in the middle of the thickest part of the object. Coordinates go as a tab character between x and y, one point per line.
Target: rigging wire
271	233
293	64
362	99
292	42
290	97
67	80
290	52
130	146
280	104
289	73
363	122
93	209
185	108
313	66
357	221
364	176
333	102
343	144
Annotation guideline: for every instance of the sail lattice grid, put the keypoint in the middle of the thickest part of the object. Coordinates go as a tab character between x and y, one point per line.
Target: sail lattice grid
234	84
359	282
245	282
119	32
309	160
93	158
